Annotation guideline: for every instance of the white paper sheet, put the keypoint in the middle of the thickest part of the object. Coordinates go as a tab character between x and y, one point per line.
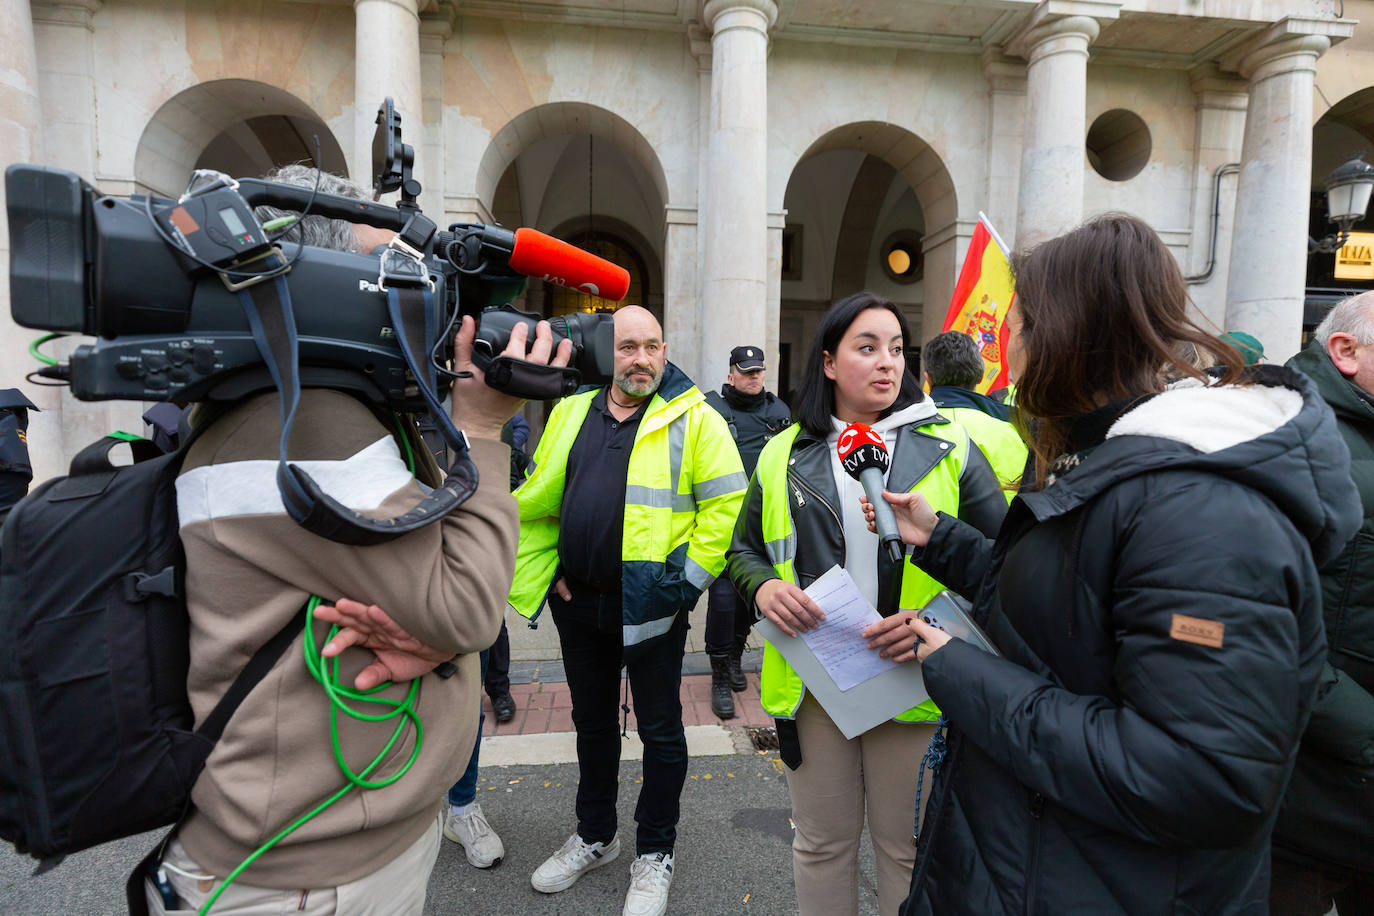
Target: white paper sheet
838	643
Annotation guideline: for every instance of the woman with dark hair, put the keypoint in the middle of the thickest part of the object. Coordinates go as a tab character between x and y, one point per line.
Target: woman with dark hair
802	516
1154	594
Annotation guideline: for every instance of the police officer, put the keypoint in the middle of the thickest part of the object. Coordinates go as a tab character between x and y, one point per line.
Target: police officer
754	416
16	472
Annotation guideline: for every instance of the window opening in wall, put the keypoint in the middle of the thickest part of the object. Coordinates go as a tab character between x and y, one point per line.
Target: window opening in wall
901	256
1118	144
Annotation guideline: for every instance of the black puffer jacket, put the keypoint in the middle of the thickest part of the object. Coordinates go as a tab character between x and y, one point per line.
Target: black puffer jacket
1159	610
751	426
1327	819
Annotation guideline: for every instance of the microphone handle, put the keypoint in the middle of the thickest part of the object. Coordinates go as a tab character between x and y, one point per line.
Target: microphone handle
886	522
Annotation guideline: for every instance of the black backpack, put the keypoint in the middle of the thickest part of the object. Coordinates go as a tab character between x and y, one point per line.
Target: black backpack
97	738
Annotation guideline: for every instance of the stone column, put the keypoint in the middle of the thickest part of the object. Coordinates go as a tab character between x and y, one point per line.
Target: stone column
681	318
777	221
684	255
435	30
1220	130
735	284
1268	270
64	40
1055	46
387	63
1006	79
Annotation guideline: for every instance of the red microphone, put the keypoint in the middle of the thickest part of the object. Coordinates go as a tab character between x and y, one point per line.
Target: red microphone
863	455
538	255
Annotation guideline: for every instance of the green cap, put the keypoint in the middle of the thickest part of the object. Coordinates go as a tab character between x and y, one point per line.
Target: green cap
1249	346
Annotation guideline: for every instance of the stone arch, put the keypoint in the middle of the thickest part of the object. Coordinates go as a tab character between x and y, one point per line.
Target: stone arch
1345	129
913	158
187	123
925	170
556	119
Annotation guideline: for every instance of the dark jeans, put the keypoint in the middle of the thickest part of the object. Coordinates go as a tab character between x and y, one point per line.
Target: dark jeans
728	618
1296	890
464	791
497	678
589	631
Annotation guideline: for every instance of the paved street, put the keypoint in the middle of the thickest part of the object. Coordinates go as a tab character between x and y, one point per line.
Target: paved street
733	850
734	840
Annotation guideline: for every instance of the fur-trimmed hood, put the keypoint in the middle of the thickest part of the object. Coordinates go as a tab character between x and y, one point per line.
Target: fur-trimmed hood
1274	434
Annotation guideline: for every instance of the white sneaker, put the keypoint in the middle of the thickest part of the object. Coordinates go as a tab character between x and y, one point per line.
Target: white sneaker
471	831
574	859
650	877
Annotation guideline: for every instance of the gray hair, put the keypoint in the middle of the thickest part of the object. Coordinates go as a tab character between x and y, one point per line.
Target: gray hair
320	231
1353	316
952	358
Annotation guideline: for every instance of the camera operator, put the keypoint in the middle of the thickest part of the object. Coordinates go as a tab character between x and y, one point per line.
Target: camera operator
250	567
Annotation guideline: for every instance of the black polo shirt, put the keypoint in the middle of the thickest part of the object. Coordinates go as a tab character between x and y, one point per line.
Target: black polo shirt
592	521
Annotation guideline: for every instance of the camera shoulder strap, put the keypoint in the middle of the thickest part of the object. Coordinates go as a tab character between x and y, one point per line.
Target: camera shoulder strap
270	319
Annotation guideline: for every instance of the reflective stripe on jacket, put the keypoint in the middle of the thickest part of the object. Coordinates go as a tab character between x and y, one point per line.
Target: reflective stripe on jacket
781	689
683	492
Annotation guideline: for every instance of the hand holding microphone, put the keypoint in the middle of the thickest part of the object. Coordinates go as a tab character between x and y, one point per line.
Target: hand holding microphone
915	517
864	457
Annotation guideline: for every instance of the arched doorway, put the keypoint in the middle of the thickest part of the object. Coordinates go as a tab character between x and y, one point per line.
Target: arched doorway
584	175
614	243
861	205
1345	130
242	127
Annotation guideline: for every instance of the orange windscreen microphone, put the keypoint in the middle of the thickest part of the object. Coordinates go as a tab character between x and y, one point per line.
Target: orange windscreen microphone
538	255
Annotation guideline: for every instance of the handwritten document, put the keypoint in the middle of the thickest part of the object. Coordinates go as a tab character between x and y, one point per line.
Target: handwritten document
837	643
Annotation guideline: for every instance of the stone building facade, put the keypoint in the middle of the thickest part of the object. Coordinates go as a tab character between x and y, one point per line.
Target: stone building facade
749	160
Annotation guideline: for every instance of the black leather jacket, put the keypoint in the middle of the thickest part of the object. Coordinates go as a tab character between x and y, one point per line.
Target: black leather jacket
816	512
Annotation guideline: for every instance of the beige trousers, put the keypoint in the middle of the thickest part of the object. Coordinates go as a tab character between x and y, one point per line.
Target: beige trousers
838	781
396	889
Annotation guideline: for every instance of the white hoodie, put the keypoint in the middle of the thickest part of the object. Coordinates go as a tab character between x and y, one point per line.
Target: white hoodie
860	544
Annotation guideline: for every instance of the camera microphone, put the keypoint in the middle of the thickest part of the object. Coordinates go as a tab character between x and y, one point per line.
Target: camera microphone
538	255
864	457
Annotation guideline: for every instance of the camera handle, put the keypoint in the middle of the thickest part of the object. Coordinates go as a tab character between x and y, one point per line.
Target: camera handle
273	325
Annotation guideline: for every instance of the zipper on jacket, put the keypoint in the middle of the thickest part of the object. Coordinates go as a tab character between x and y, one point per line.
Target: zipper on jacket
801	485
1037	809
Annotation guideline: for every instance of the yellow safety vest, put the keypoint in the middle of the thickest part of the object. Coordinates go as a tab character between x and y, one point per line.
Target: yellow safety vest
781	689
997	439
683	492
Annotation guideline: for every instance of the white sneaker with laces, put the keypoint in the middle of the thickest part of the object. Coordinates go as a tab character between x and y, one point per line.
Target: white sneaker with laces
650	877
471	831
574	859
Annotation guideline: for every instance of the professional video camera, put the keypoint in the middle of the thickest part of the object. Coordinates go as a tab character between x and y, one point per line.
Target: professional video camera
195	300
158	281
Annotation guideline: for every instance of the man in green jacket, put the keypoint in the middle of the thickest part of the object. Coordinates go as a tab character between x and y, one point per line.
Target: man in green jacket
1324	840
624	521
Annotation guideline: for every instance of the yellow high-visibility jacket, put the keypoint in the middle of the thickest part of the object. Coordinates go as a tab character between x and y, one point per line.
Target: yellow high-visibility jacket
683	493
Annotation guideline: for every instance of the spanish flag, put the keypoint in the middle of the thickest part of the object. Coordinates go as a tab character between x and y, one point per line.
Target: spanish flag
981	299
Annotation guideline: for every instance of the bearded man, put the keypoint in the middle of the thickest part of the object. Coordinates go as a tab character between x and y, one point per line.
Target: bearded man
624	522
